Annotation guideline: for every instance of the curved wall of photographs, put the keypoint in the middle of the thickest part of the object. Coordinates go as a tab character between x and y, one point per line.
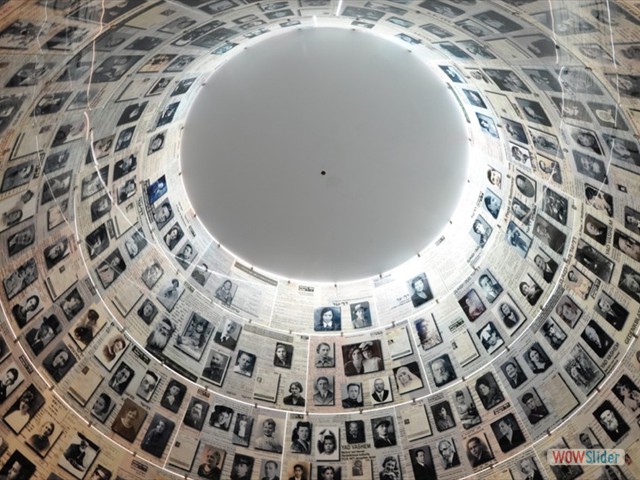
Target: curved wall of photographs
134	346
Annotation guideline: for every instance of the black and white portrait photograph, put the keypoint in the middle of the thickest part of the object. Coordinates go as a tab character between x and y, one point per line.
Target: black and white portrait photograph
186	255
91	184
518	239
147	385
195	336
453	73
129	420
487	125
490	338
147	311
59	361
596	338
533	406
627	392
269	434
627	245
384	432
170	294
420	290
283	355
221	417
488	391
472	305
381	391
127	190
549	235
578	283
18	467
443	416
594	261
513	372
324	394
226	292
10	380
111	268
100	207
325	355
408	378
508	433
479	451
582	370
111	349
227	335
42	333
360	358
528	468
327	319
533	112
196	413
23	409
490	288
555	205
121	378
590	166
509	314
449	457
21	239
537	359
242	430
17	176
492	203
611	421
157	435
612	311
216	367
151	275
173	395
474	98
44	435
352	396
360	315
102	407
466	408
529	289
629	282
245	363
212	461
428	333
553	333
26	310
78	455
135	243
442	370
96	241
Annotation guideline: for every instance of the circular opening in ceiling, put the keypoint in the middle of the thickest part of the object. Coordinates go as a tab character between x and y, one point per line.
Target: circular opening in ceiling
381	127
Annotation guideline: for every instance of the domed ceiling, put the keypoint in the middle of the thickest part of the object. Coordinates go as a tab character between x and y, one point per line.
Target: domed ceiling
136	345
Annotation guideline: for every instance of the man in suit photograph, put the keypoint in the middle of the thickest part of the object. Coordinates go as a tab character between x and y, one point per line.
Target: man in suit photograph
380	394
510	435
228	335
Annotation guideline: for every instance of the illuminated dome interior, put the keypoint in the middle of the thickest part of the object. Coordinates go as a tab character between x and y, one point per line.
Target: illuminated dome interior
466	337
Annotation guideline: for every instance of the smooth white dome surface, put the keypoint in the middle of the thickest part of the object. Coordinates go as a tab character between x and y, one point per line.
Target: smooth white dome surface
364	110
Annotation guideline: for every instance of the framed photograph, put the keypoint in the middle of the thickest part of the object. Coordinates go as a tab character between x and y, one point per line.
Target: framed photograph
609	309
129	420
173	396
147	311
553	333
472	305
442	370
24	409
443	416
428	332
18	462
578	283
537	359
242	430
420	290
196	413
157	436
327	319
111	349
488	391
10	379
519	240
594	261
78	455
508	433
245	363
466	409
102	407
361	358
228	335
23	312
597	339
170	294
111	268
43	333
408	378
151	275
513	372
490	338
489	286
611	421
216	369
121	379
59	361
509	314
148	385
195	336
360	315
533	407
568	311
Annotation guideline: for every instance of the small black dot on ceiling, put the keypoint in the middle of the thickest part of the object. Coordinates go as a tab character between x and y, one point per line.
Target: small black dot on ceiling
323	172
